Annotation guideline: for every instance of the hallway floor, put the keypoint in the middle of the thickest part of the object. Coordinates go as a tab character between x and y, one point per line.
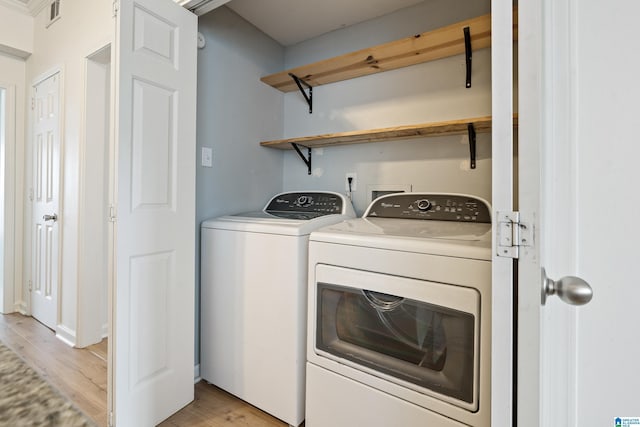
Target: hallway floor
81	375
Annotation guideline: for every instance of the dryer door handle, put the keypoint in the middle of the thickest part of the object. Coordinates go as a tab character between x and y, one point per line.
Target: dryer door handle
382	302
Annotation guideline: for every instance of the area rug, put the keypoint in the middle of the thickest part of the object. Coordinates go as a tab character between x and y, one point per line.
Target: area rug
28	400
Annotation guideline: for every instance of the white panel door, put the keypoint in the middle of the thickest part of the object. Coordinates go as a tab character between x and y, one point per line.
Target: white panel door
153	299
46	184
585	358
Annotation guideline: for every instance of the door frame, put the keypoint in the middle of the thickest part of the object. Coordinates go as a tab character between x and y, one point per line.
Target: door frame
527	369
28	235
502	397
9	259
85	297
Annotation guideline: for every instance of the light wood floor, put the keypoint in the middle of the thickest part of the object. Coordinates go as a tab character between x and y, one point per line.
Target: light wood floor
81	375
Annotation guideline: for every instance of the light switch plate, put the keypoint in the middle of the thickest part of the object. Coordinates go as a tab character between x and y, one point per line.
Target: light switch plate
207	157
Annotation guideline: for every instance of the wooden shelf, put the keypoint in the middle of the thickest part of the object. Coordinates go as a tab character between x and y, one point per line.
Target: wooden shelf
441	43
452	127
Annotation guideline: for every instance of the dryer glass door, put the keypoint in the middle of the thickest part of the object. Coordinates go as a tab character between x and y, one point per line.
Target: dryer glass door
408	331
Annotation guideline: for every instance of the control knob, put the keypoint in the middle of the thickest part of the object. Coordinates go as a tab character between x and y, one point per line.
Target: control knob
303	201
424	204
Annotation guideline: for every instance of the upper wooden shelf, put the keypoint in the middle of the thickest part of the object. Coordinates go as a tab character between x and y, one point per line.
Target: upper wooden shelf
441	43
451	127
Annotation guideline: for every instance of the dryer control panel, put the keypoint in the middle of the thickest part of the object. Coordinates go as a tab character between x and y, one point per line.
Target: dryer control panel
307	204
438	207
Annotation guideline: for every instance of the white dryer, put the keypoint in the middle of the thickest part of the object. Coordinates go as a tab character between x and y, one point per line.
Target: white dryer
400	315
254	299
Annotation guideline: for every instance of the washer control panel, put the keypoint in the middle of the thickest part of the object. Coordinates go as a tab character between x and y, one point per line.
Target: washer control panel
438	207
319	203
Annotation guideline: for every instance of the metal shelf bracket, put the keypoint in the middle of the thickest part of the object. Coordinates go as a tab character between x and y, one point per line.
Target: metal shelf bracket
468	53
306	160
309	97
472	145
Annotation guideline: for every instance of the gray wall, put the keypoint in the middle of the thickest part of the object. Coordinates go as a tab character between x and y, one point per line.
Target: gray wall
235	112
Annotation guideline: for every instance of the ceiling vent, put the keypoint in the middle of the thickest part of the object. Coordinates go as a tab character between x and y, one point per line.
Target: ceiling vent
54	12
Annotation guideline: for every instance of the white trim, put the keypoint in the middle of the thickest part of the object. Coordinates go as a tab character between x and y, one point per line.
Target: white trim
196	374
18	53
9	202
66	335
32	8
85	337
43	76
200	7
21	308
25	305
502	200
531	34
16	5
36	6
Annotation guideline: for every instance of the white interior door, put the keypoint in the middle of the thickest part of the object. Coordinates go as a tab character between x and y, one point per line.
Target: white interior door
153	294
584	359
45	230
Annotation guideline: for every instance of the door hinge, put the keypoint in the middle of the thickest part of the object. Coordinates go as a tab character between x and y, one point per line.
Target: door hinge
512	234
110	422
33	103
116	8
112	214
30	284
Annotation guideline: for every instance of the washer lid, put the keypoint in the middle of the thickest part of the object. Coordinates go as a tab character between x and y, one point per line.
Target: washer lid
261	222
294	213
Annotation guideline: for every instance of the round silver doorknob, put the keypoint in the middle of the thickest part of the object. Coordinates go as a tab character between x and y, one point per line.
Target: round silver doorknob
53	217
572	290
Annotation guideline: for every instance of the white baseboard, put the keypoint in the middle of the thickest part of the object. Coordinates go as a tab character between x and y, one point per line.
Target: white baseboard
21	308
196	374
66	335
105	330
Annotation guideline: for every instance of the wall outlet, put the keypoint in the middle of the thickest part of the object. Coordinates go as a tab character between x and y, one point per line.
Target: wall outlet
354	181
207	157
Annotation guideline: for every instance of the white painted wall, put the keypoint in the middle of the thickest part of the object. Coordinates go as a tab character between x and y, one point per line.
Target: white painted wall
16	30
235	112
83	28
422	93
12	78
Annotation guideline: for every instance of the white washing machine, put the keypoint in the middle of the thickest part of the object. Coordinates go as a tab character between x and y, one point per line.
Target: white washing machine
399	328
254	299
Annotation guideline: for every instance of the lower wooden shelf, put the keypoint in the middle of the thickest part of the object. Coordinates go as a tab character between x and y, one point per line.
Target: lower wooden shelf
451	127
